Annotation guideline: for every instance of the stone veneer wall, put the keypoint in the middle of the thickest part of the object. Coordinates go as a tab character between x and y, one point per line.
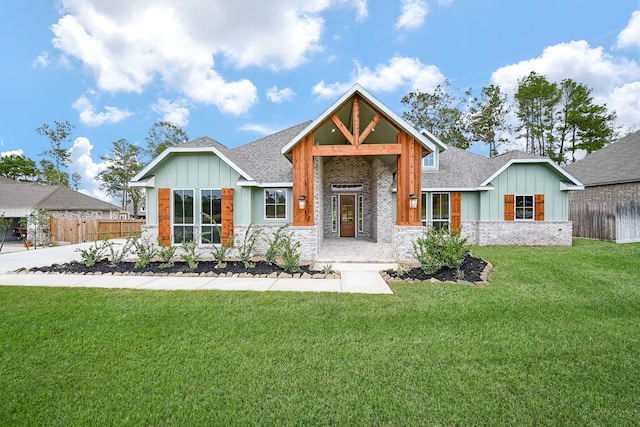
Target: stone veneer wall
606	193
522	233
382	202
402	238
81	214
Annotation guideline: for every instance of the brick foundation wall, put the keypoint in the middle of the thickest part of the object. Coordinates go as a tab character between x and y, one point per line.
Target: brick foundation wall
402	239
607	193
521	233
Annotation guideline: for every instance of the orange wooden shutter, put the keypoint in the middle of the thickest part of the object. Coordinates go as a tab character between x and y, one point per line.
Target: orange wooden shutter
456	204
164	215
227	214
539	207
509	209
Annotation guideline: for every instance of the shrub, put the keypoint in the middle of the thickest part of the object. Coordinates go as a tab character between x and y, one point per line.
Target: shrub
220	252
275	243
439	248
245	250
288	254
145	251
166	254
94	253
116	256
190	255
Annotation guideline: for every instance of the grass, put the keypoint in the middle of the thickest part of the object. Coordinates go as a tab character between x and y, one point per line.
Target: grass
553	340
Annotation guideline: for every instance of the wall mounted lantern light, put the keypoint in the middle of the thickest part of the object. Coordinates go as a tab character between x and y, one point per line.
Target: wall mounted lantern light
413	201
302	202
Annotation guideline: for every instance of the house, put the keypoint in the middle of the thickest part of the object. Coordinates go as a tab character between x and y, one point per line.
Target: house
609	207
358	171
19	199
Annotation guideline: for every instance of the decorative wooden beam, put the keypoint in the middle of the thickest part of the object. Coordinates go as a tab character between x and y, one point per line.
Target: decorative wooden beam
336	120
355	118
370	127
356	150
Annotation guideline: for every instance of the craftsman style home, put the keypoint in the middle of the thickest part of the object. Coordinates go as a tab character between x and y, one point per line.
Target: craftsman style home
359	173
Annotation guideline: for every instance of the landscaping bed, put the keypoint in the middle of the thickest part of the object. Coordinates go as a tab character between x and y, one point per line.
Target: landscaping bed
472	271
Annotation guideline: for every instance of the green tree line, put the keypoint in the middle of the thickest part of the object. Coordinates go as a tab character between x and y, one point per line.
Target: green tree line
552	119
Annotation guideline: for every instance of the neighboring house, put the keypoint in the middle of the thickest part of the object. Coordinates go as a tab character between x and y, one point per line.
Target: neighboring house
19	199
609	207
356	171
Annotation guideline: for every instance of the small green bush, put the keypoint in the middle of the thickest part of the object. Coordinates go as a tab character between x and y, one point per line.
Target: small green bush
220	252
94	253
439	248
166	254
289	254
245	250
190	255
145	251
275	243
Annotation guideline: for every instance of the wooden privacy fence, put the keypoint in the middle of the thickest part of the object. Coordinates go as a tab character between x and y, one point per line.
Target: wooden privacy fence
617	221
77	230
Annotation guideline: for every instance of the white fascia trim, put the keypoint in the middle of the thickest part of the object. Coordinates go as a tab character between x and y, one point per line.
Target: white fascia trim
148	182
427	139
525	161
564	186
172	150
451	189
265	184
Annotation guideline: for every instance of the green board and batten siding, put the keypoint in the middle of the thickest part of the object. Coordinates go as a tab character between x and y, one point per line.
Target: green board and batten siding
198	171
525	179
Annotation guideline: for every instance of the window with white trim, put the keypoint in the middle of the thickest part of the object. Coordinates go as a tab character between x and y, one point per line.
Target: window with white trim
334	213
210	216
429	161
183	216
360	213
275	203
438	212
524	207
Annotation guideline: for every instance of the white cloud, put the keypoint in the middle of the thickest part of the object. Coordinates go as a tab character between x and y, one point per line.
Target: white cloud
630	36
42	60
18	152
83	164
260	129
575	60
175	112
127	45
625	100
413	14
401	71
279	96
89	117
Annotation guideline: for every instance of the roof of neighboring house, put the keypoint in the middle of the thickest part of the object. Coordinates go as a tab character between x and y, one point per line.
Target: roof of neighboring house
32	195
266	151
615	163
461	169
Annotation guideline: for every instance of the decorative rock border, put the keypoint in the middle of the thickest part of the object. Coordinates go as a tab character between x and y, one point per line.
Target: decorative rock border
274	275
484	278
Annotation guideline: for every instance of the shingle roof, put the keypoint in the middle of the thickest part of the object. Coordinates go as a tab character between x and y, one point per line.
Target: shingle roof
32	195
613	164
263	159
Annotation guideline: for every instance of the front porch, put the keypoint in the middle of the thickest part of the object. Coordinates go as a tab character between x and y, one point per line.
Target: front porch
354	250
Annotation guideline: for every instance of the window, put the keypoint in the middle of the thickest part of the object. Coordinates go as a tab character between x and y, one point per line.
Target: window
524	208
210	216
440	210
183	216
334	214
425	212
429	161
275	204
360	214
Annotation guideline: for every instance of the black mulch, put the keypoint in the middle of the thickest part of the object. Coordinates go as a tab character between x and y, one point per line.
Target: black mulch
262	267
469	271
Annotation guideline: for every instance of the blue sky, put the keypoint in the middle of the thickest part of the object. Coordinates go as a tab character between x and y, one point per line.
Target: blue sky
236	71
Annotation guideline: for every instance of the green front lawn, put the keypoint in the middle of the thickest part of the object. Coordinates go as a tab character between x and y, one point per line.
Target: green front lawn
553	340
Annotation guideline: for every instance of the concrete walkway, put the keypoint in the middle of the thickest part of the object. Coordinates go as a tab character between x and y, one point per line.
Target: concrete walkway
355	278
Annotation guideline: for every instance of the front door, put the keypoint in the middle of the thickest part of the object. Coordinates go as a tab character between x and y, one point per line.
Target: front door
347	215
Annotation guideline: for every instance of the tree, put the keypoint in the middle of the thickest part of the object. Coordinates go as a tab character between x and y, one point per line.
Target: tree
162	135
18	168
583	125
122	166
439	113
58	137
536	99
488	119
77	179
49	175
